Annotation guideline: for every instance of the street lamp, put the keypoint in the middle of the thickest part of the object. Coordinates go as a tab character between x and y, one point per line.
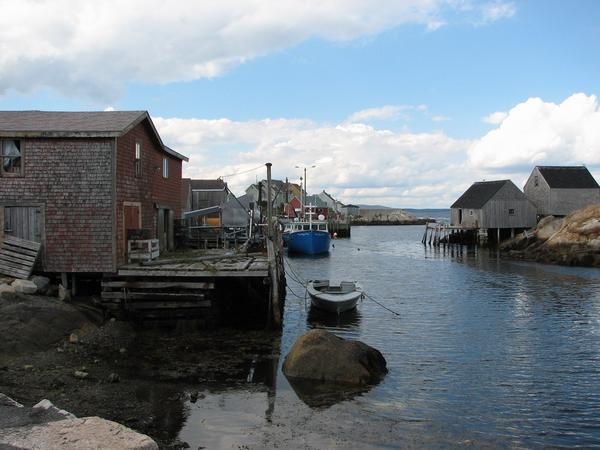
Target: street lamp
303	195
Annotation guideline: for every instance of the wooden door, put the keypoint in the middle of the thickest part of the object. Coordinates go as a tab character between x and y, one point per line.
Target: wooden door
23	222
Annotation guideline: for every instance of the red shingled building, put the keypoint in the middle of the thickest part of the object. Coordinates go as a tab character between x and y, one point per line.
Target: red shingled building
77	181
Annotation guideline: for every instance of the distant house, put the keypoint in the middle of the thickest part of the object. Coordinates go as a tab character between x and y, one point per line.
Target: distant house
493	205
350	210
332	203
211	203
77	182
559	190
278	192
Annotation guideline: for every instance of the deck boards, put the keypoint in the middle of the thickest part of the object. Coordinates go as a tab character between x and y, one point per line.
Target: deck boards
18	256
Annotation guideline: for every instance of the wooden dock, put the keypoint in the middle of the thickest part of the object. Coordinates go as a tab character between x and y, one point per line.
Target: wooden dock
220	287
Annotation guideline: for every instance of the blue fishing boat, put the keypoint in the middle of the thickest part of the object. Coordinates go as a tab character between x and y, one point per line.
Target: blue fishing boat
307	237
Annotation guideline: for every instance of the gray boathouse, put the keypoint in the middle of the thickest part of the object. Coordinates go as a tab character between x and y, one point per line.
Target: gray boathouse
493	209
560	190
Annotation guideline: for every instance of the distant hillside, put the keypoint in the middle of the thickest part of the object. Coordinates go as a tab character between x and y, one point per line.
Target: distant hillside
429	213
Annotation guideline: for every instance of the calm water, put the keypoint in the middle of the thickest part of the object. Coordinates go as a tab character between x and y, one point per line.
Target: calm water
485	352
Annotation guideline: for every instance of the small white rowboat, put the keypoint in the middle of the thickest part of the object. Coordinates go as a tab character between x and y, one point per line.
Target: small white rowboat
333	298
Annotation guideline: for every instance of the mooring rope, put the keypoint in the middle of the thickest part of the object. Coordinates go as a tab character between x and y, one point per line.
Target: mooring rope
380	304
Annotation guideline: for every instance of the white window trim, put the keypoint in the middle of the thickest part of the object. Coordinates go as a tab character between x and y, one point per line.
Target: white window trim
165	167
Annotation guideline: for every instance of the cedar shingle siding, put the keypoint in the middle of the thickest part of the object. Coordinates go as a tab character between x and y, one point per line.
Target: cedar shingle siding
560	190
72	177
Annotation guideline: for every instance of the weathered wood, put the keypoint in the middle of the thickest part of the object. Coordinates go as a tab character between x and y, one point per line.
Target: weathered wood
152	296
17	249
167	305
22	243
158	284
21	256
192	273
13	271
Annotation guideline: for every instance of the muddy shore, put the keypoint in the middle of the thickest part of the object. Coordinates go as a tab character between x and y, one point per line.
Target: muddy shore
139	377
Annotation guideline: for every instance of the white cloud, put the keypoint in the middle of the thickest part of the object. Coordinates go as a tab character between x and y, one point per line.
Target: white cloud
357	162
536	132
360	163
440	118
382	113
109	108
494	11
91	48
495	118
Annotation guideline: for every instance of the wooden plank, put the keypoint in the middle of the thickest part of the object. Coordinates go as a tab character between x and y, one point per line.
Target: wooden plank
22	243
16	249
6	269
13	274
18	255
169	305
14	265
13	260
152	296
192	273
158	284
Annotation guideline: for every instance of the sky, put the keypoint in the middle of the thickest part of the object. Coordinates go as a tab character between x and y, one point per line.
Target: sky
394	102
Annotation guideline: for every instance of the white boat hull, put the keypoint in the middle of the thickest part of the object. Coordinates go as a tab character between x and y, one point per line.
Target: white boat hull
335	302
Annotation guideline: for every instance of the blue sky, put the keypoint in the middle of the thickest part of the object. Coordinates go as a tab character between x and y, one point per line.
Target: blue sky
371	95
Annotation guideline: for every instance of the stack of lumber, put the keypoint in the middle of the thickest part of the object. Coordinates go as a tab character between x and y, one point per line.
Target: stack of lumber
18	256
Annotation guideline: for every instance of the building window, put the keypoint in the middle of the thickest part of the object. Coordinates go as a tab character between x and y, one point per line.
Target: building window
536	181
511	212
11	157
138	159
470	212
165	167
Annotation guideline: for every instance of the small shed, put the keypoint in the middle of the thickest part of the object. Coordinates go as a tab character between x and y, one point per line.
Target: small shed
560	190
493	205
351	210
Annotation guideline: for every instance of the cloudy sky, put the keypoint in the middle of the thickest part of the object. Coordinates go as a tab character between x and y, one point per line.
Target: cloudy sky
396	102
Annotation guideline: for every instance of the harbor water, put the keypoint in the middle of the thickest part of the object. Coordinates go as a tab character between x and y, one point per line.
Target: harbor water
485	352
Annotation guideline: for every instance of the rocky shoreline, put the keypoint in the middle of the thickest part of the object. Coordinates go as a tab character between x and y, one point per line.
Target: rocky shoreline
573	240
142	378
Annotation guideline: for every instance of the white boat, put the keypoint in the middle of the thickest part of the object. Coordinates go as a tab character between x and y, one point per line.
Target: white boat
333	298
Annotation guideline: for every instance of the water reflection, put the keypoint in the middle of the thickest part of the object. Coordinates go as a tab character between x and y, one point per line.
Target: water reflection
321	395
323	319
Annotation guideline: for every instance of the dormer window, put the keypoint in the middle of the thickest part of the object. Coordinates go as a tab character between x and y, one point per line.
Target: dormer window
11	158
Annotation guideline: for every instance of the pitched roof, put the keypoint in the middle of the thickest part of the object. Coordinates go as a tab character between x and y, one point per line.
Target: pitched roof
479	194
315	200
208	185
568	177
75	124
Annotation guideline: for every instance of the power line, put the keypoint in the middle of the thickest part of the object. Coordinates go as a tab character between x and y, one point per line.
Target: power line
242	172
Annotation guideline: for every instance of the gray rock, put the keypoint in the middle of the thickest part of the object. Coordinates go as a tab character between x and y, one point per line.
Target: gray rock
320	355
6	288
7	401
113	378
64	294
47	405
42	283
24	287
81	374
81	434
73	338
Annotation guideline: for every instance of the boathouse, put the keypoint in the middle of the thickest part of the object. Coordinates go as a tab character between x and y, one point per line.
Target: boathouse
496	208
77	182
560	190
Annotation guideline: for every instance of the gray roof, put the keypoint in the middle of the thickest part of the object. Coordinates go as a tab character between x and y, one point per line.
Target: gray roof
208	185
479	194
315	200
568	177
75	124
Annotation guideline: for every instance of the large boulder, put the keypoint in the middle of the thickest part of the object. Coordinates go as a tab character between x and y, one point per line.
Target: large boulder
320	355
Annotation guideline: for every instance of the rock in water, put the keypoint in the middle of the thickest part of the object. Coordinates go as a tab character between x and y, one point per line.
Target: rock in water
320	355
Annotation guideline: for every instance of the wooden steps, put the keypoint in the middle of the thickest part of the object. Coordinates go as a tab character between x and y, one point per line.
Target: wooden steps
18	257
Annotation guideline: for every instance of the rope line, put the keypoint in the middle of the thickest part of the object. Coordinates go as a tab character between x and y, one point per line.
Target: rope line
383	306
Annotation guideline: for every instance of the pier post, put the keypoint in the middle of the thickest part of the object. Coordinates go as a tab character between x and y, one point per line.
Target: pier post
269	205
